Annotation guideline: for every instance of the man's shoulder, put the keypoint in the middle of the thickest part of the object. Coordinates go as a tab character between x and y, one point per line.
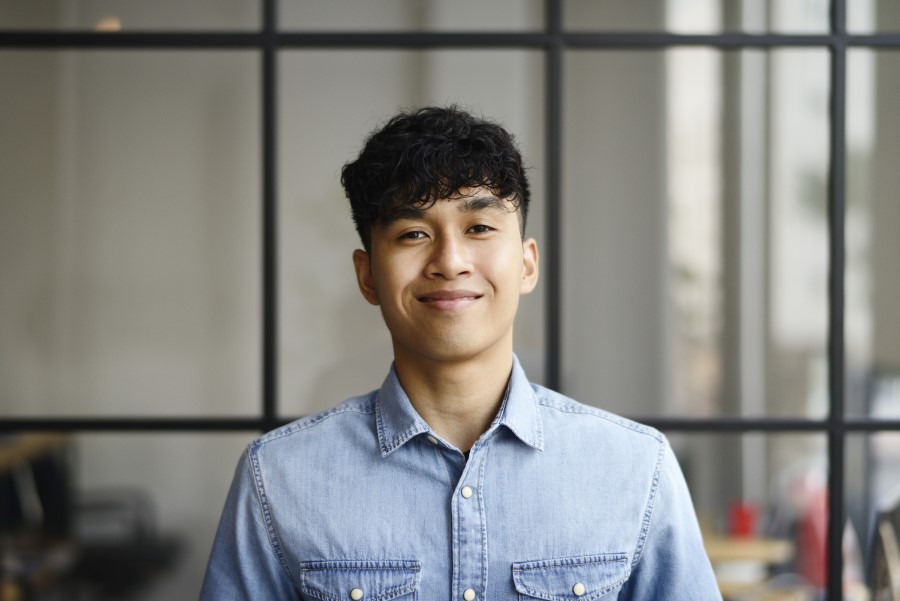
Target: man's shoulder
356	408
572	413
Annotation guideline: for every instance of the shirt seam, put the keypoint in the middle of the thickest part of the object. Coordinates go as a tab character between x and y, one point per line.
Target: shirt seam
651	503
482	511
600	414
263	501
308	422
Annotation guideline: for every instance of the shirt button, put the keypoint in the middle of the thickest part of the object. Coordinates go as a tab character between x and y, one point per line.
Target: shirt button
578	589
466	492
432	439
469	594
356	594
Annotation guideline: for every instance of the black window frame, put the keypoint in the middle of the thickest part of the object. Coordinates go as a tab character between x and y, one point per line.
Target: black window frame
553	40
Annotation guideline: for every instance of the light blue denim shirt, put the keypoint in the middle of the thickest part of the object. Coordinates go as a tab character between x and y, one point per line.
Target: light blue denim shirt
557	501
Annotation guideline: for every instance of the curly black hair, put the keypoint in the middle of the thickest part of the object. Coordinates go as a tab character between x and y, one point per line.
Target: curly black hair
422	156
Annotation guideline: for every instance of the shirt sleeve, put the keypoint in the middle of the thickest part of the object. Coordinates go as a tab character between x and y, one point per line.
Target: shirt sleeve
246	561
672	564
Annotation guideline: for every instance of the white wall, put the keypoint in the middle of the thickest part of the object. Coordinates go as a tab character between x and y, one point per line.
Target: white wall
615	223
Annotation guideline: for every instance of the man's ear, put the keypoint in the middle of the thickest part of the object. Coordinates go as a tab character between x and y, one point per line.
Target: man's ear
531	267
364	278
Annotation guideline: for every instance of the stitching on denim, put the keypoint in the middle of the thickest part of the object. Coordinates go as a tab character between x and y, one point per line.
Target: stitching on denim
536	437
389	445
651	502
329	566
394	593
454	516
365	407
481	511
379	424
563	562
526	567
538	428
409	567
267	513
575	407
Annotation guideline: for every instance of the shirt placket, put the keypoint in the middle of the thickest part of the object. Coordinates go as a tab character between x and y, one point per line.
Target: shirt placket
470	531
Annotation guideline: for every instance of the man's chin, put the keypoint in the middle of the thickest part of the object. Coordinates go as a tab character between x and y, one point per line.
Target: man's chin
450	351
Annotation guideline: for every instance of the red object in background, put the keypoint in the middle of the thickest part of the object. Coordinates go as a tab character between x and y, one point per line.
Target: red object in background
742	518
812	533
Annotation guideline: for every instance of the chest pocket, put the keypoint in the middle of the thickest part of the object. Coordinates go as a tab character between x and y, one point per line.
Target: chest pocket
365	580
584	578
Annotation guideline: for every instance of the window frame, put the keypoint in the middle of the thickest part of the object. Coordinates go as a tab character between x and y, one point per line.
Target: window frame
553	41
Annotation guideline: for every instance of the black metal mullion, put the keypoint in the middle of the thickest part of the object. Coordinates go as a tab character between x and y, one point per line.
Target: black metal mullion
270	215
130	40
415	39
738	425
431	40
267	36
199	423
836	365
128	424
648	40
878	40
553	213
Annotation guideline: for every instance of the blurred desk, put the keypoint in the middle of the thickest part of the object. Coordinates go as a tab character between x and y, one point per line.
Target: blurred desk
769	551
742	564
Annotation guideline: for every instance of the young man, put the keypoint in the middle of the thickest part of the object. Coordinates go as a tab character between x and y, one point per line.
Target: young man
457	479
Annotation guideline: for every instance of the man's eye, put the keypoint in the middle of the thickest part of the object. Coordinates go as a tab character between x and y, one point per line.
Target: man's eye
480	229
415	235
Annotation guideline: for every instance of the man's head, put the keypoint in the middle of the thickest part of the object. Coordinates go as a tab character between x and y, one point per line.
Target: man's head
430	154
440	200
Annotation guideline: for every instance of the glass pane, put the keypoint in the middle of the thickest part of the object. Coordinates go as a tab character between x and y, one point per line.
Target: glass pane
695	231
114	516
871	16
762	505
334	344
698	16
129	233
412	15
129	15
872	331
872	531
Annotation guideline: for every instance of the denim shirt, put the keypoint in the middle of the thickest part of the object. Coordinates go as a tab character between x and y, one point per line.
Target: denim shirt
556	501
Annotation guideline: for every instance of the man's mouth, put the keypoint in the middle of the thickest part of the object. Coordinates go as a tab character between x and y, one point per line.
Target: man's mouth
448	300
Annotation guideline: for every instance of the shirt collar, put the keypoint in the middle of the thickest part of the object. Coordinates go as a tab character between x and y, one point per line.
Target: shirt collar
397	421
520	411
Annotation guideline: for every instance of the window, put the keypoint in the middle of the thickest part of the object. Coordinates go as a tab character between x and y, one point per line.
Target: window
714	195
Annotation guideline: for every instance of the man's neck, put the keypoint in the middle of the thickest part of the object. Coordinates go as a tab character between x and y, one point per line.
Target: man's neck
458	400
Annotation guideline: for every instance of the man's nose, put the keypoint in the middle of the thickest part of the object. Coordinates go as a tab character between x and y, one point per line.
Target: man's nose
449	259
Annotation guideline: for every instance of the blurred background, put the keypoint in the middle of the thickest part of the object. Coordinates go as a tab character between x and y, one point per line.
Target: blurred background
681	198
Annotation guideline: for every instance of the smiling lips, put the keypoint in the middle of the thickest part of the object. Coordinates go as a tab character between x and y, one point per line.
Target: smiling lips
449	300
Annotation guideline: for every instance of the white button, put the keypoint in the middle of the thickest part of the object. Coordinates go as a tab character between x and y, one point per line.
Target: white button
469	594
578	589
432	439
356	594
466	493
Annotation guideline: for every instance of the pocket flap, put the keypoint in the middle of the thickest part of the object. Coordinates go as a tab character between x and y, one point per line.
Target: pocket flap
368	580
571	578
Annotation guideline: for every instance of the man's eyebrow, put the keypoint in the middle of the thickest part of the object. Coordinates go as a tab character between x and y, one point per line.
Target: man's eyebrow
478	203
406	212
466	204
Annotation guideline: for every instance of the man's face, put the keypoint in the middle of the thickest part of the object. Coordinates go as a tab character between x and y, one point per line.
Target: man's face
448	278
